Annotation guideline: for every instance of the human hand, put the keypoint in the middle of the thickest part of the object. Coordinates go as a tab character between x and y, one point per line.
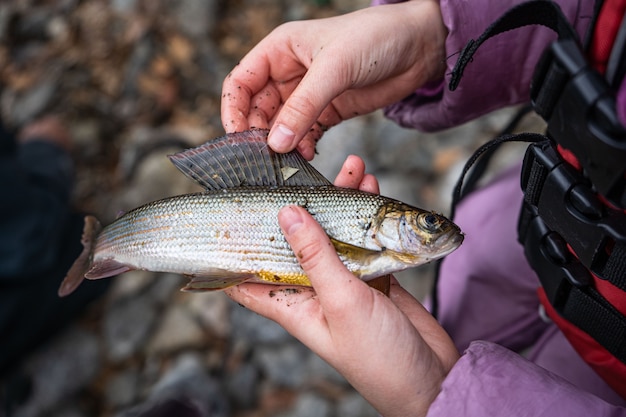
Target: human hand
307	76
390	349
49	129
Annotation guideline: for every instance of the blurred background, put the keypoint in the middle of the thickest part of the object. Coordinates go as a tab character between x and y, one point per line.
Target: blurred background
135	80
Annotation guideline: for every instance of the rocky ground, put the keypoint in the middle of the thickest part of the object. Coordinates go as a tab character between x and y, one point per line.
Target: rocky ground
136	80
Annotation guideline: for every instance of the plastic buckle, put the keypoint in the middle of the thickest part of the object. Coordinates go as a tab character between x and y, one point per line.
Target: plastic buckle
564	200
547	253
579	106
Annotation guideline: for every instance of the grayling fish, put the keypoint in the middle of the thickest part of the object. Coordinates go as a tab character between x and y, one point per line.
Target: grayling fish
229	234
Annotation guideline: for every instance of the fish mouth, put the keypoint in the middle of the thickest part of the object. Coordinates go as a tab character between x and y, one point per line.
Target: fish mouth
449	241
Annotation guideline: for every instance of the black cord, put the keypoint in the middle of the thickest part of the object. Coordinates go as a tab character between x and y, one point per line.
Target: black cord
480	158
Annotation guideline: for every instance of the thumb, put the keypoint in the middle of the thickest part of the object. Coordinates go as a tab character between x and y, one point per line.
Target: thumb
316	254
306	105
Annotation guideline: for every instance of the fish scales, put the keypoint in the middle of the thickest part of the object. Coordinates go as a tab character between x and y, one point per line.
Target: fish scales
230	234
235	230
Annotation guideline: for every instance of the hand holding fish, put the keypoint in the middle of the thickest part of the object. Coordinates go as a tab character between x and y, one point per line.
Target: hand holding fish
230	235
307	76
402	354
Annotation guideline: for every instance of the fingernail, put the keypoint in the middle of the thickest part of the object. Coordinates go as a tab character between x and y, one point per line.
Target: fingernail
290	219
281	138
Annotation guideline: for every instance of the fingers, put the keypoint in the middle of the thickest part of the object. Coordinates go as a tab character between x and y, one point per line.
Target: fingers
428	327
352	175
314	251
284	304
248	93
317	307
369	184
318	258
235	105
264	105
306	114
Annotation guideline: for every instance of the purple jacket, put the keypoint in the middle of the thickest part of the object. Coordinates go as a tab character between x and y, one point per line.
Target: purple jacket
491	379
501	70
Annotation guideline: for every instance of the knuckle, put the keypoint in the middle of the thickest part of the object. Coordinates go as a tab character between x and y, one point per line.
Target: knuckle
310	254
302	108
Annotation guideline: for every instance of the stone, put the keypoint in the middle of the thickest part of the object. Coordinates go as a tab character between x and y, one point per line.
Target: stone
284	365
184	384
123	389
59	372
195	17
127	325
187	378
28	105
310	405
212	309
255	329
124	6
243	385
177	330
67	410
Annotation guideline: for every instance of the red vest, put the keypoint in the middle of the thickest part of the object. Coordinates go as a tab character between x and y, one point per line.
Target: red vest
611	369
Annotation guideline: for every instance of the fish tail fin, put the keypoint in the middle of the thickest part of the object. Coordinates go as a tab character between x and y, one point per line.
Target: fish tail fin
82	264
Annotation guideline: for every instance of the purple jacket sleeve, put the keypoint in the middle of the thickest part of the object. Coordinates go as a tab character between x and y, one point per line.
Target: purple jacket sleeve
500	72
490	380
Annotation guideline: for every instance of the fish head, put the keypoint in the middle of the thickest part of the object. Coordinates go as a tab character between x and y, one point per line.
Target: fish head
417	236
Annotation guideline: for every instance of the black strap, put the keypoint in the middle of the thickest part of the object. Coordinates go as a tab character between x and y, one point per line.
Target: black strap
615	268
486	151
470	178
480	158
560	206
560	212
616	66
539	12
586	308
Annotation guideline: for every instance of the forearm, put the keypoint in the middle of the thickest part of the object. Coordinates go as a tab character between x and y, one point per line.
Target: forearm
500	72
490	380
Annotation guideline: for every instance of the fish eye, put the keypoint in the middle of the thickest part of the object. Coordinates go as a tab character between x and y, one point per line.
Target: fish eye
428	222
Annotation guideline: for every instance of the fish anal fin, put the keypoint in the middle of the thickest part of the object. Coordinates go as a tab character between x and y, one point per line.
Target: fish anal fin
215	279
106	268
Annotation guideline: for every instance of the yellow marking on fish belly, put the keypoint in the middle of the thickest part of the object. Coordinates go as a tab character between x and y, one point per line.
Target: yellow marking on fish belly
289	279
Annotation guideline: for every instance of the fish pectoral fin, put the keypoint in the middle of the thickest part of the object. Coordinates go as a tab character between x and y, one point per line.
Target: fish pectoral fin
215	279
106	268
354	253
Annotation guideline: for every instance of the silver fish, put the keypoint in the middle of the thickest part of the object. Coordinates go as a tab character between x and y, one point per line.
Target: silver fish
229	234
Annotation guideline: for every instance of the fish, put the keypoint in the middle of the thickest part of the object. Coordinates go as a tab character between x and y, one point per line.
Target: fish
229	234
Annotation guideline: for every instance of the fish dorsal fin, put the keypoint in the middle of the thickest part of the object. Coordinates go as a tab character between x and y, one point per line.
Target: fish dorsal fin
244	159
